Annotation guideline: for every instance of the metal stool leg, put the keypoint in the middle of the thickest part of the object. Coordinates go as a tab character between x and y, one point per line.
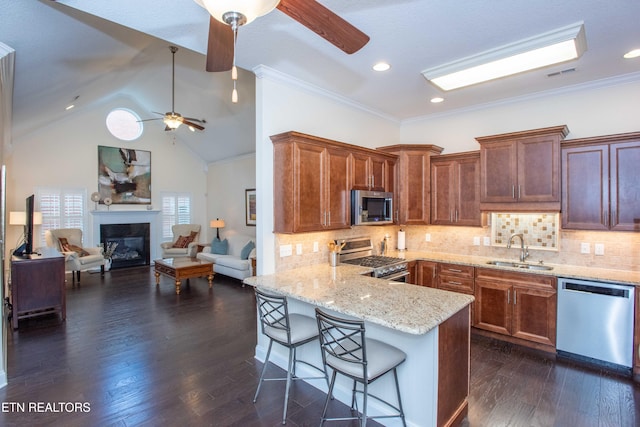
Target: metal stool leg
264	369
329	394
395	376
290	371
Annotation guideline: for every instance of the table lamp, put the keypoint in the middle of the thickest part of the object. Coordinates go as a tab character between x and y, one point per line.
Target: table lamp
217	224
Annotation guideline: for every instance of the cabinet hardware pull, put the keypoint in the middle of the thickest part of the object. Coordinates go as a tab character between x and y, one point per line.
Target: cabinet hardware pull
456	215
508	296
513	191
515	296
606	222
455	270
324	220
518	191
329	215
451	282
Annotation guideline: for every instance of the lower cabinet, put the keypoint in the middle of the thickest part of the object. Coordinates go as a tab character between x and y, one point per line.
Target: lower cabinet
518	305
427	273
456	278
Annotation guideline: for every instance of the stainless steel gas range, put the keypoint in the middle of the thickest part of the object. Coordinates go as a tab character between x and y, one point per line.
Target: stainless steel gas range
359	251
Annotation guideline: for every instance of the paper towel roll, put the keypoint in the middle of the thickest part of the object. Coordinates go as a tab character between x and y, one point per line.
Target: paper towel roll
401	241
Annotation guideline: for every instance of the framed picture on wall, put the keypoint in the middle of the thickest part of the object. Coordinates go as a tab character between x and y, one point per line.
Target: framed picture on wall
124	175
250	205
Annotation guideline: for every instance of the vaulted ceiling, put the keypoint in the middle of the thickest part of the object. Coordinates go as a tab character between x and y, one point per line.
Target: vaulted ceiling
99	50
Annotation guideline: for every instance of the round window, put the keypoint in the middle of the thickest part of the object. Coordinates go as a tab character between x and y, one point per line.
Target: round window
124	124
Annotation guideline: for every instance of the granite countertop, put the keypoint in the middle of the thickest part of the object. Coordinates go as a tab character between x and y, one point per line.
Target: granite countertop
400	306
559	270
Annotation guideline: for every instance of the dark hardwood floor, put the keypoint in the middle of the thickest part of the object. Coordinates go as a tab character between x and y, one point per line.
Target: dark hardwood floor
131	354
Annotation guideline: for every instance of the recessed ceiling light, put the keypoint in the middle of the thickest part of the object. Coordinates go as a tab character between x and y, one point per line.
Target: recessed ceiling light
381	66
632	54
546	49
437	100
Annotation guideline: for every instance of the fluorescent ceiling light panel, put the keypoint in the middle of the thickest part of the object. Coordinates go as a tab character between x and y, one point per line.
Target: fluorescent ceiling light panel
546	49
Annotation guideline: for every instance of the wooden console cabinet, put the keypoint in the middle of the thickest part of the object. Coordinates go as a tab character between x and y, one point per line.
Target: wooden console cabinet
37	286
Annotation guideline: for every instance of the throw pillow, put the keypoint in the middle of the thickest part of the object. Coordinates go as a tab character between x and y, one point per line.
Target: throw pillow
244	253
68	247
219	247
181	242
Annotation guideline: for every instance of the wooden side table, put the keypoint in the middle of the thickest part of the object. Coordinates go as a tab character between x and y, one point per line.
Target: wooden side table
254	266
183	268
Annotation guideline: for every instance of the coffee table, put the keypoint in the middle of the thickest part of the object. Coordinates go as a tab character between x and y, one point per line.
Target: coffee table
183	268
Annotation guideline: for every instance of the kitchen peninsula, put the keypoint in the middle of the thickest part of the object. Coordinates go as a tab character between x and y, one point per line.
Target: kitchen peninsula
431	326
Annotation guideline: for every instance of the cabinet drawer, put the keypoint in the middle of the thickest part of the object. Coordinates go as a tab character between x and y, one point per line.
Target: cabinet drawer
455	270
453	283
524	279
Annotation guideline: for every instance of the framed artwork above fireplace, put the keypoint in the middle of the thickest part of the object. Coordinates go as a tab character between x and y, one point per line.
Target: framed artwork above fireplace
124	175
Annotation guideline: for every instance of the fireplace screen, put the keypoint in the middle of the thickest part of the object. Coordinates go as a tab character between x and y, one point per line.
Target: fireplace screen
133	246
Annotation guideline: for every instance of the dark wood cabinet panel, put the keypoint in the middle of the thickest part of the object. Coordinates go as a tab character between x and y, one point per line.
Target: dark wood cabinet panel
338	194
455	189
37	286
520	171
368	172
413	182
601	183
518	305
428	273
310	205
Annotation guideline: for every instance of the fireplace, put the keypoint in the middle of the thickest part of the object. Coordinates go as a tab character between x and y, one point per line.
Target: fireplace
133	243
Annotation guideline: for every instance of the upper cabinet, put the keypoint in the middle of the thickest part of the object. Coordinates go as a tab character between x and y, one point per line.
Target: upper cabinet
601	183
412	189
455	189
520	171
369	171
313	180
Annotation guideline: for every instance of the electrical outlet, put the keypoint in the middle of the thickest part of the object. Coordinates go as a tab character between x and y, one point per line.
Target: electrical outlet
585	248
598	248
286	250
427	237
315	247
298	248
487	241
476	241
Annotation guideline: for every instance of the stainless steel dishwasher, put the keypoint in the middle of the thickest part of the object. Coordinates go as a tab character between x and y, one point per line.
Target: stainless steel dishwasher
595	321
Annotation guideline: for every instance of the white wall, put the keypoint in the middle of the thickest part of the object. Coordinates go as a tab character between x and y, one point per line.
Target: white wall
591	111
283	106
227	181
65	154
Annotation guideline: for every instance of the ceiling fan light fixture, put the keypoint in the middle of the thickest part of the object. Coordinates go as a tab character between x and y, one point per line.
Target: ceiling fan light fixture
248	9
550	48
172	120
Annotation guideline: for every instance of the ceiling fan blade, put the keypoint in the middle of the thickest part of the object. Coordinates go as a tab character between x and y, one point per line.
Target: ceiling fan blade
325	23
148	120
193	125
220	46
191	119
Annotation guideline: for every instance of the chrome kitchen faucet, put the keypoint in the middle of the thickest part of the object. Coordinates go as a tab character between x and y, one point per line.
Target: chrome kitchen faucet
524	251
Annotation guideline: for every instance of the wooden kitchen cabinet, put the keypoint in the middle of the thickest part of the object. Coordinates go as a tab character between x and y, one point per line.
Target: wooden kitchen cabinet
311	184
428	273
456	278
412	189
517	305
600	182
455	189
520	171
369	172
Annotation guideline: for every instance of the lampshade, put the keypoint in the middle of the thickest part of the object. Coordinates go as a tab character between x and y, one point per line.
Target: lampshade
251	9
217	223
20	218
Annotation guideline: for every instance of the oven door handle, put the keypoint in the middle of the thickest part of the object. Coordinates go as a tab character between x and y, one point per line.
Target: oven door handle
396	276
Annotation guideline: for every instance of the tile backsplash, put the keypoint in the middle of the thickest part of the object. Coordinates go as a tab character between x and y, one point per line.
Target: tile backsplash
540	230
621	249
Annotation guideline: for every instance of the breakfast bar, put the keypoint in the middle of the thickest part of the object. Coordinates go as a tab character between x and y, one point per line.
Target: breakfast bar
431	326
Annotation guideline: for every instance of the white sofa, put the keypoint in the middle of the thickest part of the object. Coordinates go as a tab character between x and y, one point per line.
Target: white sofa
231	264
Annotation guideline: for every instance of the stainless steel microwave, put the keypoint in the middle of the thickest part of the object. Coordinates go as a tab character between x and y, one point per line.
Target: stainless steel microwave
371	207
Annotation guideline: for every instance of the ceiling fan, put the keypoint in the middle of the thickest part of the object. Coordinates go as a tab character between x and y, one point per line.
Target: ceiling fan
171	119
227	16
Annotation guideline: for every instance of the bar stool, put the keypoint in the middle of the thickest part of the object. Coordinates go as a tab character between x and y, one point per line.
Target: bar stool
346	351
289	330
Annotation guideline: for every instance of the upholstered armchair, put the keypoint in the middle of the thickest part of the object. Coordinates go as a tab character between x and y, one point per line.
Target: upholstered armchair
185	241
69	242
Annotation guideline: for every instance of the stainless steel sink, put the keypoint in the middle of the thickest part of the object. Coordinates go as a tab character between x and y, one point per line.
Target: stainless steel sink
522	265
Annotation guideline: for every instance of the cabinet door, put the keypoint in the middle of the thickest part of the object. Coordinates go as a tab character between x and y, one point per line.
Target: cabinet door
625	186
338	195
416	190
377	172
427	273
585	187
467	192
309	198
498	172
360	176
538	170
493	306
534	314
443	192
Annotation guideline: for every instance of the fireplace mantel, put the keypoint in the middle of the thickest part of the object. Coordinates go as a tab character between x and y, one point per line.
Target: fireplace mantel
129	216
